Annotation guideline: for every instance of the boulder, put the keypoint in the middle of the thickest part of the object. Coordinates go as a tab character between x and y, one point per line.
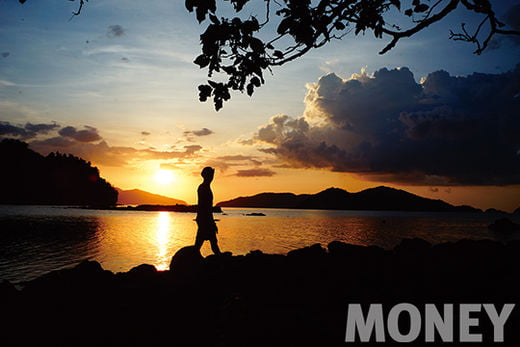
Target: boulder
186	260
309	253
504	226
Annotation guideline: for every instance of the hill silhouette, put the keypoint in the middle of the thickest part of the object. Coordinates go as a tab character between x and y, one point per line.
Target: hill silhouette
141	197
379	198
27	177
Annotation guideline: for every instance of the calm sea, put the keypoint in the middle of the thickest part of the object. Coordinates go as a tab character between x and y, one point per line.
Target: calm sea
37	239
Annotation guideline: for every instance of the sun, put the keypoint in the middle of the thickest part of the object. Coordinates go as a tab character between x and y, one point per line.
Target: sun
164	176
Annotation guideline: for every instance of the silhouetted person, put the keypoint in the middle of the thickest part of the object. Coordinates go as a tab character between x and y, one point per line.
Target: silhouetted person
207	229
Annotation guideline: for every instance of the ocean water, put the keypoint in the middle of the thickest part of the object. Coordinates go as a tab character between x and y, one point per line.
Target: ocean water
37	239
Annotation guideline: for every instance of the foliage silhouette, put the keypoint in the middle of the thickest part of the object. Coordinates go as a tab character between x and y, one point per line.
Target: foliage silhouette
232	45
62	179
236	46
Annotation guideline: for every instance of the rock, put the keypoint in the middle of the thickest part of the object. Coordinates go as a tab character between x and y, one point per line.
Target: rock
338	248
88	268
310	252
186	260
143	269
254	253
143	272
7	290
413	246
504	225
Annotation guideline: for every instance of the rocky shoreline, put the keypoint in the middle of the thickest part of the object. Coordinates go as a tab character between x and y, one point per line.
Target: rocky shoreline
298	299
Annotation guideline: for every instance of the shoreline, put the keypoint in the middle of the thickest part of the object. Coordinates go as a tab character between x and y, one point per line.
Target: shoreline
259	298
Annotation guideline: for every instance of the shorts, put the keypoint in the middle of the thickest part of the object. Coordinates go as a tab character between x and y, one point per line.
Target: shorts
207	230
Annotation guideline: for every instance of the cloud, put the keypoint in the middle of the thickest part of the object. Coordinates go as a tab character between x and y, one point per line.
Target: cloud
512	17
257	172
145	133
191	149
245	142
89	134
88	144
6	83
8	129
223	163
5	54
58	142
512	20
41	128
26	132
445	131
201	132
103	154
115	31
237	157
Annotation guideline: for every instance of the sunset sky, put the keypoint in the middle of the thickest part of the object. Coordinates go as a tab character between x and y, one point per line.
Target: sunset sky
117	86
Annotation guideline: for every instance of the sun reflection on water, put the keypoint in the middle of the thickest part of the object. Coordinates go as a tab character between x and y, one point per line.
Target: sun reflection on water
162	238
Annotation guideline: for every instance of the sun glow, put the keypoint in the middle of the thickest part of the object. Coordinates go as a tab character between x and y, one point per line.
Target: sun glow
162	237
164	176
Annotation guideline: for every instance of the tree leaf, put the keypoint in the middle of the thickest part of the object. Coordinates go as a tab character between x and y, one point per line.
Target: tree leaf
202	61
250	89
278	54
214	19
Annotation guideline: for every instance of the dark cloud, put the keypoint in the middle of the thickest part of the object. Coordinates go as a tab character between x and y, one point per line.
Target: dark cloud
191	149
448	130
11	130
512	17
125	60
58	141
145	133
89	134
115	31
257	172
246	142
41	128
201	132
26	132
512	20
224	162
5	54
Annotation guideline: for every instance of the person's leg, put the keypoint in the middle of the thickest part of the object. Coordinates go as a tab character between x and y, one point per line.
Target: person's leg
214	245
198	241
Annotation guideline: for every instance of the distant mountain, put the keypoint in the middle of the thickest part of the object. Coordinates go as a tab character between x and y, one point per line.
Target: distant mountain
267	200
140	197
28	177
379	198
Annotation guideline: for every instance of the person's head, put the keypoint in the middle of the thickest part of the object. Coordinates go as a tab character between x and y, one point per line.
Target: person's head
208	173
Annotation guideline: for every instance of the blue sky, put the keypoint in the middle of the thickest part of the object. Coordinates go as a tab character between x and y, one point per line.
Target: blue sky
125	68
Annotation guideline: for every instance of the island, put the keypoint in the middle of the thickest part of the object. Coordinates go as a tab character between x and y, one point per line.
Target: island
378	198
28	177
